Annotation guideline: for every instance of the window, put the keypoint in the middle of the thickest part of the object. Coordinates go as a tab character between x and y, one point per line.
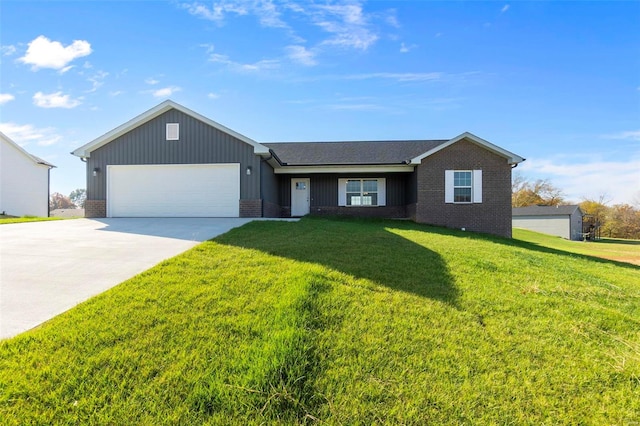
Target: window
463	186
362	192
173	131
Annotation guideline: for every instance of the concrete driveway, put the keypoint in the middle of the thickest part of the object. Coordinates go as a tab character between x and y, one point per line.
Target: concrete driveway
47	268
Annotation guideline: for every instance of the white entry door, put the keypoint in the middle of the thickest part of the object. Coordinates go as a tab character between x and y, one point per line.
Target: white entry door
299	197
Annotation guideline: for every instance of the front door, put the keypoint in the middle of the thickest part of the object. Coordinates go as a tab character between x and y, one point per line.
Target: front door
299	197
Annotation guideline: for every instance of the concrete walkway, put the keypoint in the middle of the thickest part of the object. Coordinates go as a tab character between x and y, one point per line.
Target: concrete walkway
47	268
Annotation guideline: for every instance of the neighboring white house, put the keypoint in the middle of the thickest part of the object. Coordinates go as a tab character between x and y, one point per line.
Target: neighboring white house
563	221
24	181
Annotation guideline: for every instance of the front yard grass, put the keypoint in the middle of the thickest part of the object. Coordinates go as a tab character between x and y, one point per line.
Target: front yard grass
341	322
12	219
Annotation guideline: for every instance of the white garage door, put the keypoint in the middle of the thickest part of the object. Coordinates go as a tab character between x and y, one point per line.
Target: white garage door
173	190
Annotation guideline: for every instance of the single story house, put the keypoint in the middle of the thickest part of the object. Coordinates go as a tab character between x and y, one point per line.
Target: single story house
24	181
562	221
171	161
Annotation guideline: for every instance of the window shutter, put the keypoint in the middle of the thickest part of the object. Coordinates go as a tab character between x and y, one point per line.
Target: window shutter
448	186
477	186
173	131
382	192
342	192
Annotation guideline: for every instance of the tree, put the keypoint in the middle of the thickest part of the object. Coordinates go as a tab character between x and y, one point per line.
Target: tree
539	193
78	197
623	221
59	201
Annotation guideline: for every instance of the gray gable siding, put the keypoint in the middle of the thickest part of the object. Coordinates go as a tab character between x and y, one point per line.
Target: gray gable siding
199	143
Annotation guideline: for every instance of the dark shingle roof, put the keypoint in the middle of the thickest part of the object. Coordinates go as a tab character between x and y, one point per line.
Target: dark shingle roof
544	210
350	153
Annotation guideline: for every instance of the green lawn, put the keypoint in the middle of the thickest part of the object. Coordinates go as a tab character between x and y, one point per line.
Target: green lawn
606	248
12	219
341	322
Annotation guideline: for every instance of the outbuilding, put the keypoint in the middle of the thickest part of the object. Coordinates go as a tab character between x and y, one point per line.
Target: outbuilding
563	221
24	181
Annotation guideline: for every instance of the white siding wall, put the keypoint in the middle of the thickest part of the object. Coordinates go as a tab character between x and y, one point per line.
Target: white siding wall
24	185
552	225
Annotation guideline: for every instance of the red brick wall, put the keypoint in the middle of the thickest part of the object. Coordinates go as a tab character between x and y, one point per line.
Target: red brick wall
251	208
394	212
95	208
492	216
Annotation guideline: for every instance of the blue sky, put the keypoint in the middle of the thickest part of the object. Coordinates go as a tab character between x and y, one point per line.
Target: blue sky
555	82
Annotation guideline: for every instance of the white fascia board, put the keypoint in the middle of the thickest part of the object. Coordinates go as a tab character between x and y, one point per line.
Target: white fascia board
35	160
287	170
85	150
511	157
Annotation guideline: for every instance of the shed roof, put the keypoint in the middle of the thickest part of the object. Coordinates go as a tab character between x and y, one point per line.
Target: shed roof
567	210
351	153
33	158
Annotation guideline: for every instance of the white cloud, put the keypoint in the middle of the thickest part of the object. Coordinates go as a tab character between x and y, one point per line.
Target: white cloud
27	133
116	93
401	77
348	25
6	97
620	179
7	50
55	100
44	53
301	55
265	64
165	92
212	95
97	80
152	81
217	12
633	135
504	8
406	49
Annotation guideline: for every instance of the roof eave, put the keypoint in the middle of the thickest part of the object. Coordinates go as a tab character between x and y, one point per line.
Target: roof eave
510	156
85	150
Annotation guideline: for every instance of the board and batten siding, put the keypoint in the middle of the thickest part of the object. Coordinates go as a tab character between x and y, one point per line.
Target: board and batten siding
199	143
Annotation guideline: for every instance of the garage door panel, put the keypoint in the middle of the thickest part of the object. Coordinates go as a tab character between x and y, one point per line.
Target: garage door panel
185	190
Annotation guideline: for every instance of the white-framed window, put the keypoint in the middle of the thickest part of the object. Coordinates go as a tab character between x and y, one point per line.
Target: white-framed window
365	192
173	131
463	186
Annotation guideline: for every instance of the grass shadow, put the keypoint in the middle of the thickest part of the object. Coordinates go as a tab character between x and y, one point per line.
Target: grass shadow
358	247
616	241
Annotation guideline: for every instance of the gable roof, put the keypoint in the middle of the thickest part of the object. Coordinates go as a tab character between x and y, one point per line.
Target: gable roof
36	160
567	210
350	153
510	156
85	150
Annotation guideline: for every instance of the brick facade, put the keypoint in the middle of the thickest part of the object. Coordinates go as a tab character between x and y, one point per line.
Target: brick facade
492	216
95	208
270	209
391	212
251	208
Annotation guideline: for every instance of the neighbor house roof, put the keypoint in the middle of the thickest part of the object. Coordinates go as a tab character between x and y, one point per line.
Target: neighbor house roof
85	150
545	210
36	160
350	153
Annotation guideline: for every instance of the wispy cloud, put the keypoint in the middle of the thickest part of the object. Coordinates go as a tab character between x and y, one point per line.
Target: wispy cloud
631	135
590	178
152	81
165	92
55	100
406	49
301	55
44	53
6	97
212	95
356	107
27	133
7	50
116	93
505	8
347	24
400	77
97	80
265	64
